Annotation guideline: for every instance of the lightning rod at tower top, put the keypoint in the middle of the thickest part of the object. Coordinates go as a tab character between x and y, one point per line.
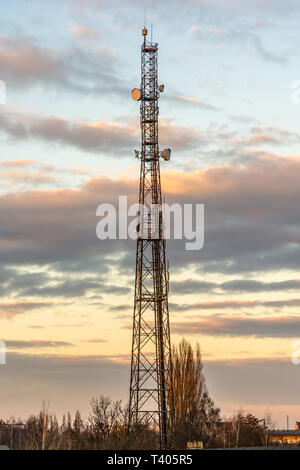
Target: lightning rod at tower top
150	400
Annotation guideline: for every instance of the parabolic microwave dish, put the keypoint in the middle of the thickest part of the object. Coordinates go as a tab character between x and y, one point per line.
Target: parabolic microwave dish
136	94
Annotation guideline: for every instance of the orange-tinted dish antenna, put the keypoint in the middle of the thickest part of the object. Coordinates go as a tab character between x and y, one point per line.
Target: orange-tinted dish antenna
136	94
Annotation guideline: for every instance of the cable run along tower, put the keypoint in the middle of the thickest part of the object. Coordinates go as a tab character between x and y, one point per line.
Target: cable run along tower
151	349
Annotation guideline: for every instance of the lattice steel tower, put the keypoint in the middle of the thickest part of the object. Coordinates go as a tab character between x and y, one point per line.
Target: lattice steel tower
151	351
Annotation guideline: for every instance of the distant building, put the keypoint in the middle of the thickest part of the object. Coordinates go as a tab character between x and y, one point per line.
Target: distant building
194	445
281	436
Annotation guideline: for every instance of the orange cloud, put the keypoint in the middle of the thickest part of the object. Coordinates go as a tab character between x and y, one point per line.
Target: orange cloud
18	163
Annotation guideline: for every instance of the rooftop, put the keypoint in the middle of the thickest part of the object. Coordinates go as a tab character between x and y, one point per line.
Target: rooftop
285	432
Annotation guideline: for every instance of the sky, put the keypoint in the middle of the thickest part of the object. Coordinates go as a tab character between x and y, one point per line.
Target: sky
68	132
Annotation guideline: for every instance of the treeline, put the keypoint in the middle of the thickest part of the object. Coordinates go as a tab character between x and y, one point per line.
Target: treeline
106	428
195	418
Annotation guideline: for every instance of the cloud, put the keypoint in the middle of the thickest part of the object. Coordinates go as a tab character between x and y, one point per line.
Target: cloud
41	284
211	305
91	137
20	175
250	214
17	177
268	135
10	309
100	136
68	382
84	31
240	326
243	118
236	304
27	64
192	286
238	32
269	56
245	383
18	163
24	62
180	137
74	288
94	340
253	381
34	344
67	232
193	101
70	325
249	285
120	308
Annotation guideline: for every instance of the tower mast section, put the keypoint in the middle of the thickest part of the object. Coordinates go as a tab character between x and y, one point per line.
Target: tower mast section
150	389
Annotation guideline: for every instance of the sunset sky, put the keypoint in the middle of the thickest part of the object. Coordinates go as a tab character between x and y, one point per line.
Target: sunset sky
68	131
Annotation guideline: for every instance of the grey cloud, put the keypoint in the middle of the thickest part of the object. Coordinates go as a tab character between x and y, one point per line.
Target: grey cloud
40	284
9	309
75	288
25	63
100	136
239	32
250	221
244	285
237	326
68	383
191	286
242	118
17	282
236	304
119	308
34	344
186	100
269	56
67	233
268	135
286	256
116	139
262	381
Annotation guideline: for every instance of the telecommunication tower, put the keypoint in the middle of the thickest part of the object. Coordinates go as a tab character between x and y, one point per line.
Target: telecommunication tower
150	387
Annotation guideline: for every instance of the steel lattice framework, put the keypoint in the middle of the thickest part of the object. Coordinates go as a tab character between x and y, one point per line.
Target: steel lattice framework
151	349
